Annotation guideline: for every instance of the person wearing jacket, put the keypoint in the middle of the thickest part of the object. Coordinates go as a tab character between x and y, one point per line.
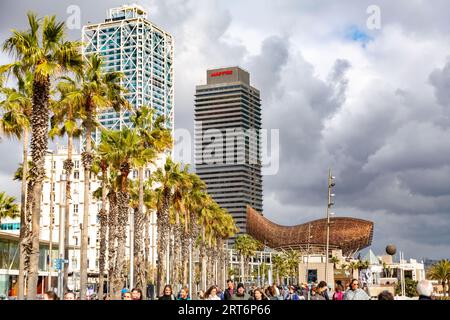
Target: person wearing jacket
240	293
323	290
168	293
292	295
355	293
338	292
211	294
425	290
184	294
229	292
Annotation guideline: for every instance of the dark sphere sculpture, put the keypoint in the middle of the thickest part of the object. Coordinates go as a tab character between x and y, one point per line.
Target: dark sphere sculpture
391	249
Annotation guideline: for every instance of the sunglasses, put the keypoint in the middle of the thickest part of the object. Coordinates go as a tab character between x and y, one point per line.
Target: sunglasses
355	284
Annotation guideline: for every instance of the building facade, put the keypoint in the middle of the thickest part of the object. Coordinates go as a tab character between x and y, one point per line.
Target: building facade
53	197
227	141
143	52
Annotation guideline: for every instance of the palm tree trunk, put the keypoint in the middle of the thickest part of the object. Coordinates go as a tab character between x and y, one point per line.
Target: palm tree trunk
112	236
26	242
163	228
203	273
23	212
147	246
39	143
210	267
184	257
103	217
221	267
87	159
176	251
140	271
123	204
68	166
171	258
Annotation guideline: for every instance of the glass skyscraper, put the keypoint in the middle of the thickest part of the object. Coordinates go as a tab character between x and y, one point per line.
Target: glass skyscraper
143	52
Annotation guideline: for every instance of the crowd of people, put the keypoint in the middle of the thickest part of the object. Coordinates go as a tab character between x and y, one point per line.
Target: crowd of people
314	291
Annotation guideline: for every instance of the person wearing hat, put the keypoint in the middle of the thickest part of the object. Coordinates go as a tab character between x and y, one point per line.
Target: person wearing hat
240	293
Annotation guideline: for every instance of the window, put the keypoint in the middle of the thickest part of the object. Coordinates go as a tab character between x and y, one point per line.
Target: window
76	174
312	276
54	165
77	164
74	263
75	208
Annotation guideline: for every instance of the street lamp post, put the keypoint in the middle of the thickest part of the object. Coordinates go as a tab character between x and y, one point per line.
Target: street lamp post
308	252
61	237
52	214
190	267
331	184
131	249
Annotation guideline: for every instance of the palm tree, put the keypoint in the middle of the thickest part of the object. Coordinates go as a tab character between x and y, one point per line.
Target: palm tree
150	207
246	246
154	139
15	122
194	200
167	178
441	272
226	228
96	91
124	148
292	259
178	212
205	220
363	264
279	266
353	265
101	165
113	229
8	209
64	122
44	52
335	261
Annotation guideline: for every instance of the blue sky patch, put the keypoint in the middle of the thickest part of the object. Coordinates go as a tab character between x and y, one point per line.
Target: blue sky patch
353	33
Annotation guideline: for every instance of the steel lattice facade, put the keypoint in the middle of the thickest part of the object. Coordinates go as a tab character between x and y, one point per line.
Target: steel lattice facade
143	52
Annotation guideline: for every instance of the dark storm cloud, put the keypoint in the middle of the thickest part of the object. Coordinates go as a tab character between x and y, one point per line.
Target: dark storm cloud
440	79
265	68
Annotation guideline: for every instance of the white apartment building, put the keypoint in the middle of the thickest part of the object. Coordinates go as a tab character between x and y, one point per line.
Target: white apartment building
53	187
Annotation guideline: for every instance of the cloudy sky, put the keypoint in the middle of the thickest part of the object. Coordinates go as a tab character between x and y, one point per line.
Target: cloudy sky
373	104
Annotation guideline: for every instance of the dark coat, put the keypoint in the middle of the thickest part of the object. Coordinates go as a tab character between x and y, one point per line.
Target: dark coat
227	295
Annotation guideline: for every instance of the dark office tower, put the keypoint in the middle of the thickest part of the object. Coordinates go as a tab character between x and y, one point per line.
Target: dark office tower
227	141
